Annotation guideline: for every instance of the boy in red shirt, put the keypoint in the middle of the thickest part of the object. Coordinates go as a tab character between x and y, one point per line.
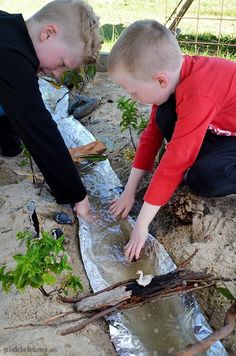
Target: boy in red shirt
194	109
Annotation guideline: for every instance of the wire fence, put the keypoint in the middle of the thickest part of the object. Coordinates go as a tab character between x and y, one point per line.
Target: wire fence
214	34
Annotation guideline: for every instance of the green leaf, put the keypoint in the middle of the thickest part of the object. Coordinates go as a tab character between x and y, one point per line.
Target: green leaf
23	163
45	257
94	157
226	293
22	281
20	258
49	279
2	272
37	280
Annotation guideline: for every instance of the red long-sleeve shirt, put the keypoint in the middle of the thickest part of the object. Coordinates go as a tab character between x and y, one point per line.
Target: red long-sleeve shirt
205	98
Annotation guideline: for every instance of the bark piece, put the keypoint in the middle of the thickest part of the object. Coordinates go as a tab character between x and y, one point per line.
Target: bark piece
95	147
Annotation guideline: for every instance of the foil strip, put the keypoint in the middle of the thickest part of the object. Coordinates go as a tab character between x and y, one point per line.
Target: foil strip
139	331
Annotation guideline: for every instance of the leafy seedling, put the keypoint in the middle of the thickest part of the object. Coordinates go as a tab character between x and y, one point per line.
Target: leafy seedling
44	261
130	118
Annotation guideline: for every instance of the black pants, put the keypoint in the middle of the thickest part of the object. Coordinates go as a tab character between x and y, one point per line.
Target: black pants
214	172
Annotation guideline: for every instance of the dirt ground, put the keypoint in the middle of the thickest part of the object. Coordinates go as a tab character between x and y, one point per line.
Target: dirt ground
185	224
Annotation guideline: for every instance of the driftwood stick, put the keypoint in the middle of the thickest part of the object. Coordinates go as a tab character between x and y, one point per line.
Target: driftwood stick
75	300
186	262
25	326
72	320
58	316
219	334
90	320
173	283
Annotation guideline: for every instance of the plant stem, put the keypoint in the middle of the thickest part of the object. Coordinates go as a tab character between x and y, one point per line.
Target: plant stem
131	137
32	170
42	290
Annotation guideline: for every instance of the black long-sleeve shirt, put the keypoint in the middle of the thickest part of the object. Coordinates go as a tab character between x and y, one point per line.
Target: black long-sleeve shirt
21	100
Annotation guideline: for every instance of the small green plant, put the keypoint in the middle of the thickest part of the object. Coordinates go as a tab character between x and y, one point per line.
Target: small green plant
130	118
44	261
27	160
78	77
75	78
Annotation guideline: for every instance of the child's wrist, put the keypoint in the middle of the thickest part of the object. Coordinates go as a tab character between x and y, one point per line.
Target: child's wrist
129	191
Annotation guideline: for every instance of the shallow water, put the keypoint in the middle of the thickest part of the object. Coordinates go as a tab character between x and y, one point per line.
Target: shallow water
159	327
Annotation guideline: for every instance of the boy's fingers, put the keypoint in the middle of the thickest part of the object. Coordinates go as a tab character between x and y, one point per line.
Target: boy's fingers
117	211
113	202
132	251
125	213
113	210
129	251
137	252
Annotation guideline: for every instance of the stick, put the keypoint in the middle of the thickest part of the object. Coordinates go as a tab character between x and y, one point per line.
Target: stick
219	334
90	320
75	300
186	262
58	316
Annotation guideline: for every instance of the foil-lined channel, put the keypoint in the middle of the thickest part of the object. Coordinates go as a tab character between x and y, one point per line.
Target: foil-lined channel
158	327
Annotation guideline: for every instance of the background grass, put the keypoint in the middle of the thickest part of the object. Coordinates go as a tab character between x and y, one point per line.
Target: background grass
115	15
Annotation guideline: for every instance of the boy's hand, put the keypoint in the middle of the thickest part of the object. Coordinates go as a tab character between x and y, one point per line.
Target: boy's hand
140	231
136	242
82	208
122	206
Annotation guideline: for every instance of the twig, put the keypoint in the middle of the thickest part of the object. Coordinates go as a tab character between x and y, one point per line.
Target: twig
26	325
90	320
75	300
186	262
32	170
131	137
41	188
71	320
219	334
58	316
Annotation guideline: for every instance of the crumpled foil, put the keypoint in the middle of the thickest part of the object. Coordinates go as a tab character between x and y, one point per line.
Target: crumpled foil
156	328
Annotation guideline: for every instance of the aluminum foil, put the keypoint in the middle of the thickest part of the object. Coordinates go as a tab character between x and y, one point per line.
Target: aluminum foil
156	328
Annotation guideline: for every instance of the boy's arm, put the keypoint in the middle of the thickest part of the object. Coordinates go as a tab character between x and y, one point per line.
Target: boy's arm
23	104
140	231
149	143
195	112
122	205
194	116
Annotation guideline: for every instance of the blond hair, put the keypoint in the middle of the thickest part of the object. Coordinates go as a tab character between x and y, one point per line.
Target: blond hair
78	21
145	47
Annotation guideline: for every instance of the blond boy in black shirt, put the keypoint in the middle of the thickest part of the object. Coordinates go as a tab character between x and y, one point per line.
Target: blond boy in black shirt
61	36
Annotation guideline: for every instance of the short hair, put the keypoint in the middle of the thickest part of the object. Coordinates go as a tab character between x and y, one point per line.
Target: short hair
78	20
144	47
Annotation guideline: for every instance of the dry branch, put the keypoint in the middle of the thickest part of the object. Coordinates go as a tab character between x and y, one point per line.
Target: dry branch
129	293
219	334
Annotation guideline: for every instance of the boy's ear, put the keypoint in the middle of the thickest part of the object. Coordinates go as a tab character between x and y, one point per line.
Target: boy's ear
48	32
161	79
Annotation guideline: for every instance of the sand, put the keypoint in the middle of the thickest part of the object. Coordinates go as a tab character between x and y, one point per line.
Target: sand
207	225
